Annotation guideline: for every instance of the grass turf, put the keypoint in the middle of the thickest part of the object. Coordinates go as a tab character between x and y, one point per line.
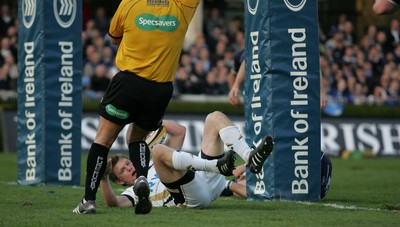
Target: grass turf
363	192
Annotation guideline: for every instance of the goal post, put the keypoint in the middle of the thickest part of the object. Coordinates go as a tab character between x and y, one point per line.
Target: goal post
49	92
282	97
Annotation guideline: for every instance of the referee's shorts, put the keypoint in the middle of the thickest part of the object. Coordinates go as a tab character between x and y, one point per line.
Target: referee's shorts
131	98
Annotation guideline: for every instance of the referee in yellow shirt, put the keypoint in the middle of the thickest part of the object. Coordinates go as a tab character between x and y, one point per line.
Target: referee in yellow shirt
150	34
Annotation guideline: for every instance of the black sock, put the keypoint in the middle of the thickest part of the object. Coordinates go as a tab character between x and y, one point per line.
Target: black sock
139	154
95	167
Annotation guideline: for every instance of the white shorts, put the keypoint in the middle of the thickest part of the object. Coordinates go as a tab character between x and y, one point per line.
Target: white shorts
198	189
199	192
195	190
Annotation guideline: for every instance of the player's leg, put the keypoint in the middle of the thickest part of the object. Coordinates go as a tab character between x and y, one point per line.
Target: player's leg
97	163
150	102
233	138
213	147
162	159
114	111
169	163
186	189
219	130
139	152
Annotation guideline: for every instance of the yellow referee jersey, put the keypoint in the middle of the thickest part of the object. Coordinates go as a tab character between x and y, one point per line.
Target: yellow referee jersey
152	33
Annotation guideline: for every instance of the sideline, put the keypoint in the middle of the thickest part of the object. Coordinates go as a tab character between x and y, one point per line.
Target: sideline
353	207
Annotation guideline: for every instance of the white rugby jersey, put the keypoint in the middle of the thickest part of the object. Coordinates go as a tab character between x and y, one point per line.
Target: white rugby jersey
159	195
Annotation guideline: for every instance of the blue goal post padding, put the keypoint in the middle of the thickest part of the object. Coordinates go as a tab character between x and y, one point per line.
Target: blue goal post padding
49	92
282	88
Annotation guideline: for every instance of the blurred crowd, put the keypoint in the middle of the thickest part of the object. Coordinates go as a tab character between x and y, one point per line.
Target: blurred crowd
361	70
354	70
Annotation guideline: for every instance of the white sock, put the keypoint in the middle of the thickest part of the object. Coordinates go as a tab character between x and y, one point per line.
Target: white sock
232	138
185	161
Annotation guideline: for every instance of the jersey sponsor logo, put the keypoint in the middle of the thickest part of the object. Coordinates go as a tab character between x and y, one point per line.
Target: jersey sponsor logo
28	12
65	12
149	22
295	7
111	110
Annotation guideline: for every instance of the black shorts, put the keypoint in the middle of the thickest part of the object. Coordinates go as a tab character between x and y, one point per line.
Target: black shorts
131	98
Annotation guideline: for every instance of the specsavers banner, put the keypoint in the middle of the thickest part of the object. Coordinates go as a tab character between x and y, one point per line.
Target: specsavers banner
282	97
50	92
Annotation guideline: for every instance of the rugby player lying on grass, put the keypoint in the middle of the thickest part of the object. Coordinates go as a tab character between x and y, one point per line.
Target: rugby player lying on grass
177	178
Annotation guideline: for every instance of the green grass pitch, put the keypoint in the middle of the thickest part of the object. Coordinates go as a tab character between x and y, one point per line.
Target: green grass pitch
363	192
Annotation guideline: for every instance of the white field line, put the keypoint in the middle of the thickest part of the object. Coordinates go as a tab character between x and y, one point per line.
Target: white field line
337	206
344	207
351	207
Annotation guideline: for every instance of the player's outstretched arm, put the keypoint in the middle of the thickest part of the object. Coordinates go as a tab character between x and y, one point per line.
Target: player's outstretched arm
238	190
109	197
235	90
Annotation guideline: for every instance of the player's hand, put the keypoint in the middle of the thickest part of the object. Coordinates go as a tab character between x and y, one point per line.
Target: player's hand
234	97
239	171
108	170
